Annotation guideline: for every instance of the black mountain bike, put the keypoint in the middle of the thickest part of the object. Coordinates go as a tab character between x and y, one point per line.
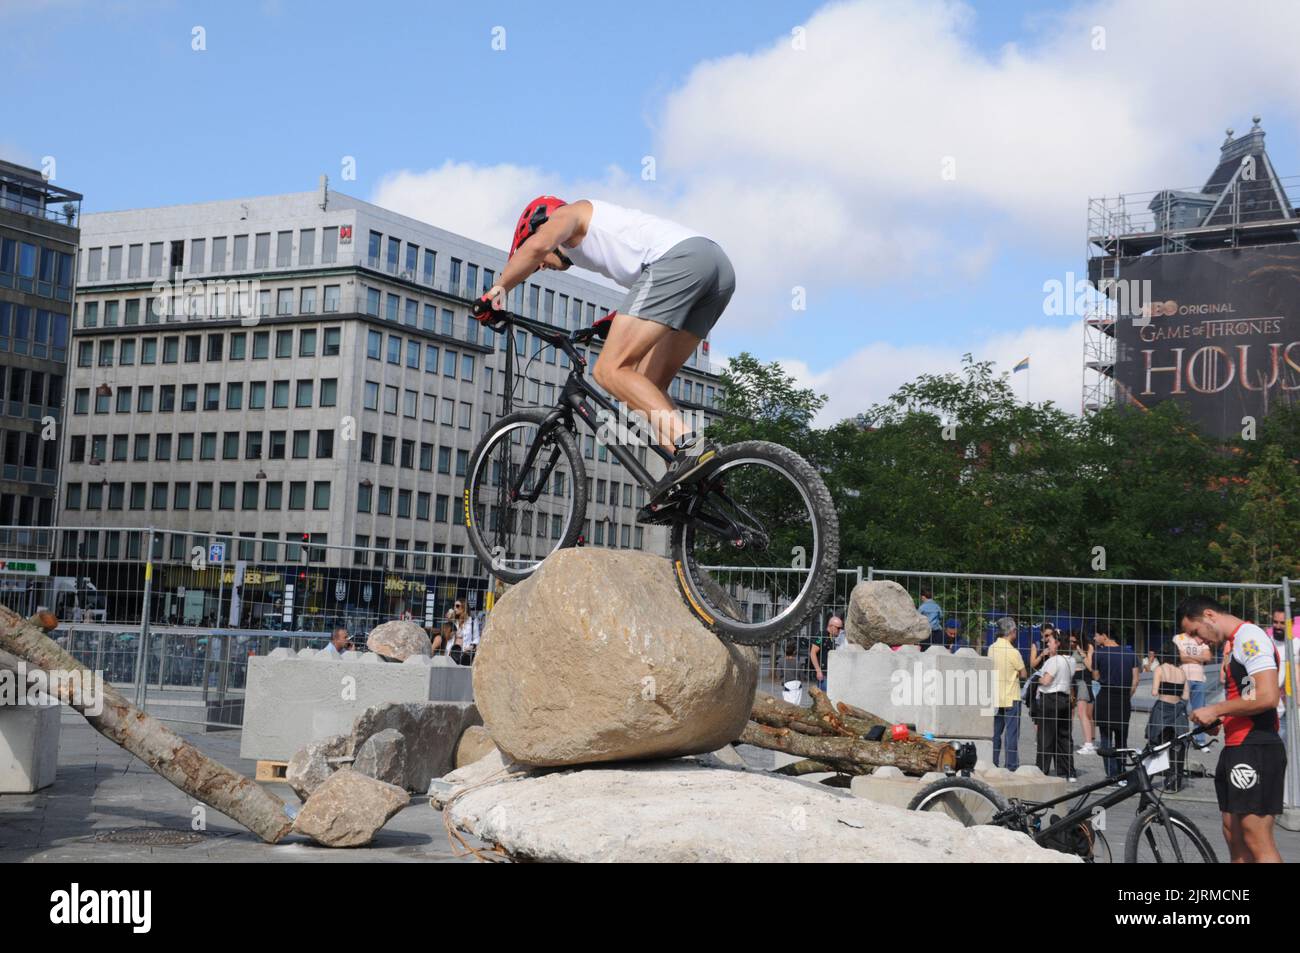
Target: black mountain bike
1157	835
755	525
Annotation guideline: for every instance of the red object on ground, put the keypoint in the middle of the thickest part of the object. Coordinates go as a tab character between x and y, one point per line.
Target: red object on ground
899	732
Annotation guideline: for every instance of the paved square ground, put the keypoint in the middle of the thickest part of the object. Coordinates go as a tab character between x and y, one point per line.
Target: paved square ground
100	789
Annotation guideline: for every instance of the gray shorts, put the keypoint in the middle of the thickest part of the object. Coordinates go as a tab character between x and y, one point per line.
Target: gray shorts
687	288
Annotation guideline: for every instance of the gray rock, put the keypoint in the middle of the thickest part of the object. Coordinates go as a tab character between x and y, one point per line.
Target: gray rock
430	729
685	813
399	640
596	657
883	612
310	766
348	809
383	757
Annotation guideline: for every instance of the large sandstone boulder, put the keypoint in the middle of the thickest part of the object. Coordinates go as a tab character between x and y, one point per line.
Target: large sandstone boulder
474	744
882	611
596	657
430	731
399	641
312	765
675	811
383	756
348	809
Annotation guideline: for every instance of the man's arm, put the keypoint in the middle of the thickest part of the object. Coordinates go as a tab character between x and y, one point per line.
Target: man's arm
556	230
814	655
1137	674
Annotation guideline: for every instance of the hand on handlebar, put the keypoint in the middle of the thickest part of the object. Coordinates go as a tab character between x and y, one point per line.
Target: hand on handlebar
1204	720
484	310
489	307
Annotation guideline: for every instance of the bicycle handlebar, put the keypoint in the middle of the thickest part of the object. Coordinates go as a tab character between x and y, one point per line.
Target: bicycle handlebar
1153	748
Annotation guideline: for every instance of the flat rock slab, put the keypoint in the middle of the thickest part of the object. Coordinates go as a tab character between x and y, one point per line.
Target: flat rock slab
677	811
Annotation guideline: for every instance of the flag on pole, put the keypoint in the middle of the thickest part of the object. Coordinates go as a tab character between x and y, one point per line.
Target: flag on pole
1022	366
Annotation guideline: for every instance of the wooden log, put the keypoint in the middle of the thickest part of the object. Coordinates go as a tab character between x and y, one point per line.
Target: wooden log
767	710
808	766
859	714
826	712
911	757
166	752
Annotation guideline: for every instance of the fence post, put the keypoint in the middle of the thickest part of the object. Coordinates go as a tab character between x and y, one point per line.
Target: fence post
871	574
859	574
1290	819
142	653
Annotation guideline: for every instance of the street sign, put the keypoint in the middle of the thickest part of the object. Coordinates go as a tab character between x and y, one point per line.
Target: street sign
217	553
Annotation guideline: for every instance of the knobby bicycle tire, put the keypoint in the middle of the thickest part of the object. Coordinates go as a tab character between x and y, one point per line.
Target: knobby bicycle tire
699	589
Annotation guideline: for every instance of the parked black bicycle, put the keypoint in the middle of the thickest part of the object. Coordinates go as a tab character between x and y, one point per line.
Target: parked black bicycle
1158	833
756	525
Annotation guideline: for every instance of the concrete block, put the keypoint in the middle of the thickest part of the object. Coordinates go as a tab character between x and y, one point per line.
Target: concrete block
29	747
282	652
949	694
291	702
895	790
306	653
890	786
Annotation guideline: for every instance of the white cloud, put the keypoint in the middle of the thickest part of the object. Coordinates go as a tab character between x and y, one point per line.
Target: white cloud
871	374
822	167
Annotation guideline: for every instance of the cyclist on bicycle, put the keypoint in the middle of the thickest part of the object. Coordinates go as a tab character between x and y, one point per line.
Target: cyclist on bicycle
678	284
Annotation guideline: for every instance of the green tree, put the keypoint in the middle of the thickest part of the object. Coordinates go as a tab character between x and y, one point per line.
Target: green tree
1263	541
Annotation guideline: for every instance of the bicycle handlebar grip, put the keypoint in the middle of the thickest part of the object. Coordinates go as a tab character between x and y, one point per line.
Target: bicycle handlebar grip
483	311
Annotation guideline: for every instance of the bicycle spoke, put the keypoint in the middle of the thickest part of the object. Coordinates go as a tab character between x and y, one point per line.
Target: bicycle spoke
753	524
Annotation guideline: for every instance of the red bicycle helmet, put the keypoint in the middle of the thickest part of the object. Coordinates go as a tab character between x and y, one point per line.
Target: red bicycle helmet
535	215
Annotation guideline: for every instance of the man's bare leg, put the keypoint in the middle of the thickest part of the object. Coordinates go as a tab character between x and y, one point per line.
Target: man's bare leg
1257	835
1232	834
636	365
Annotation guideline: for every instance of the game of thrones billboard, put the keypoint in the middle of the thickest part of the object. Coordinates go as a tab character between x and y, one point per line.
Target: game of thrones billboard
1219	331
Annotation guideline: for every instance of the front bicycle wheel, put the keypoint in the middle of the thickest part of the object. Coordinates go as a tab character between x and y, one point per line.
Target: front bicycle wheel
967	800
525	494
756	550
1154	840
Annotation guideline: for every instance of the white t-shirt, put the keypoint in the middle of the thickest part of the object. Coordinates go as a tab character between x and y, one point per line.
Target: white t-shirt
470	633
331	651
620	241
1061	668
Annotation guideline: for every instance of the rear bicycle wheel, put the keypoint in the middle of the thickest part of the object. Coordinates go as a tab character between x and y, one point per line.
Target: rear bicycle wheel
511	533
967	800
1152	840
757	550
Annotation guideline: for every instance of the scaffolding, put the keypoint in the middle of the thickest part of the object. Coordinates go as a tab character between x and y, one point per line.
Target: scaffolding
1244	203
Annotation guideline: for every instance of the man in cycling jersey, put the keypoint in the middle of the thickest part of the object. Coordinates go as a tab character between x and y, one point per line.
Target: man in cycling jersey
1252	768
678	283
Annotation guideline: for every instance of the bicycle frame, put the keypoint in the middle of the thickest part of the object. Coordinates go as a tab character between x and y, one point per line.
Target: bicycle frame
577	397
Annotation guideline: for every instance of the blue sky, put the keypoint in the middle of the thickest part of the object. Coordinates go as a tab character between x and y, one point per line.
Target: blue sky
899	279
